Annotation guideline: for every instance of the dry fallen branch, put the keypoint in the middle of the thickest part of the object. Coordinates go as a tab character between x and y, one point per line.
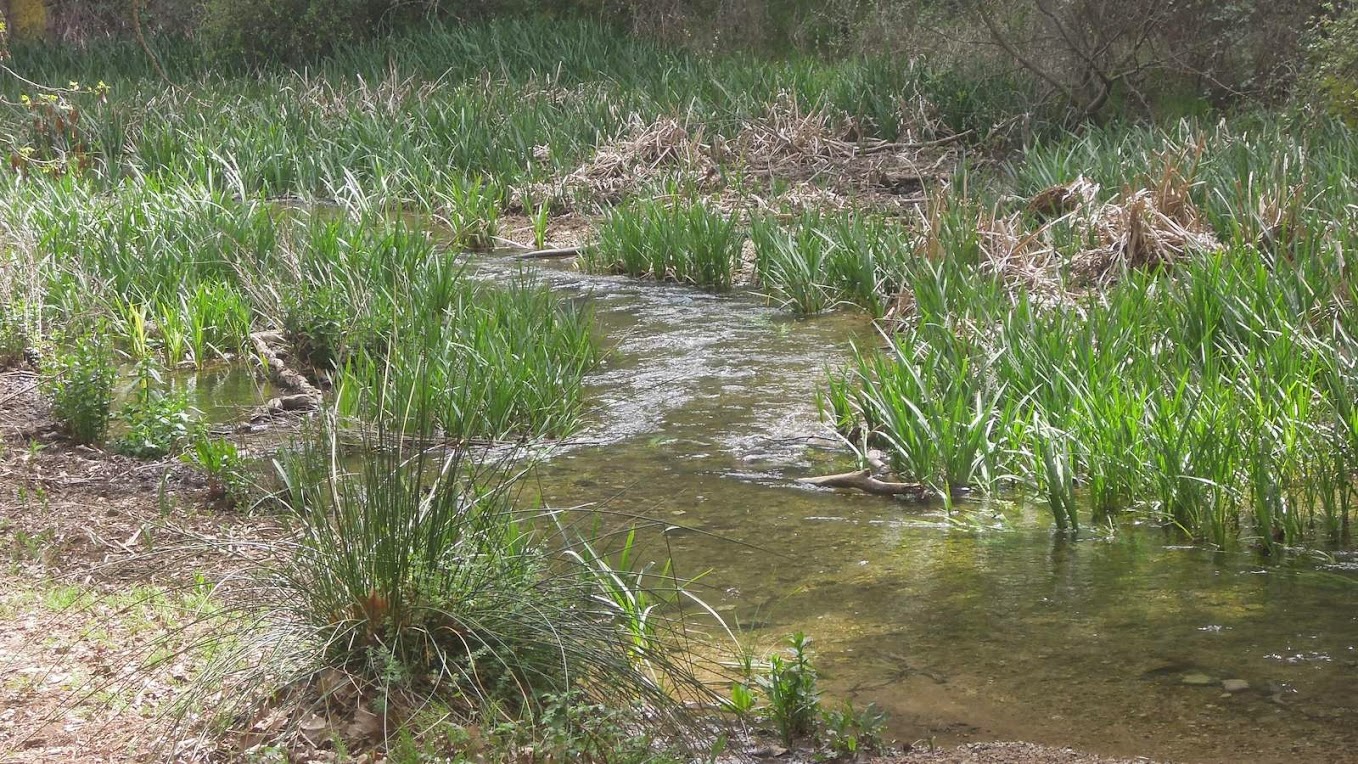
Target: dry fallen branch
549	254
863	480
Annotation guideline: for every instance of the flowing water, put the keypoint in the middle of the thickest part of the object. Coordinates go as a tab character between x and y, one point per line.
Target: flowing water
985	624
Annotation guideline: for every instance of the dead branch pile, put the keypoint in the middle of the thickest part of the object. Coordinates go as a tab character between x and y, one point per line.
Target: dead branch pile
1139	229
1142	230
791	139
647	153
790	142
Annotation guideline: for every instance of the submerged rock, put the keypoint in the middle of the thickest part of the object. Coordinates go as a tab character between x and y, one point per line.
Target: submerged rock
1197	679
1235	685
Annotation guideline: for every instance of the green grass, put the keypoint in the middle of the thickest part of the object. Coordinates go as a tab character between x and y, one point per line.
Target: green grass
820	261
683	241
1212	395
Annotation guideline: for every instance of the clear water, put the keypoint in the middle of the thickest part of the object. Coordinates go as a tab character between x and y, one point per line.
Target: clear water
981	625
223	394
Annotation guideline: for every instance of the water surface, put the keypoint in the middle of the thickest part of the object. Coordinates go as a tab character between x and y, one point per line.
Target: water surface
985	624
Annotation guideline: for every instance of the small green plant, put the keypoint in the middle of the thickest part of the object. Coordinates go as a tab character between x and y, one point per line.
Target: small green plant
540	220
227	483
743	699
79	381
849	732
790	687
15	344
155	419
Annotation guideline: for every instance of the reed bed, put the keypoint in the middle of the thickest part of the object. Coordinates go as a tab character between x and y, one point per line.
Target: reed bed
186	275
1201	372
1131	317
681	241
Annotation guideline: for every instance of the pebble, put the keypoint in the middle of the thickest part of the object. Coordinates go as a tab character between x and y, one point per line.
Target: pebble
1197	680
1235	685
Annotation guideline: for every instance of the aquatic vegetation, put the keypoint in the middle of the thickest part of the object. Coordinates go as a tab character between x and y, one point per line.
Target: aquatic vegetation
821	261
364	299
483	362
1198	385
684	241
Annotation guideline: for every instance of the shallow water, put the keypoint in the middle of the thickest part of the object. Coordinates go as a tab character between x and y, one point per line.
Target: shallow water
983	625
216	394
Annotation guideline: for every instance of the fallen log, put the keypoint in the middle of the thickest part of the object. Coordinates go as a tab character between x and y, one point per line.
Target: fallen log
863	480
547	254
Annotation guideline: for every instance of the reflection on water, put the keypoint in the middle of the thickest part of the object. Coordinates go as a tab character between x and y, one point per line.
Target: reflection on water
987	627
216	395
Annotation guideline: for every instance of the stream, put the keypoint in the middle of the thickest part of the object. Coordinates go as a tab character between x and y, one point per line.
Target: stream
983	625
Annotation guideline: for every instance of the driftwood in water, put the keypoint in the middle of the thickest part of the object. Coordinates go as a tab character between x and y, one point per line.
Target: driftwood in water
302	395
863	480
547	254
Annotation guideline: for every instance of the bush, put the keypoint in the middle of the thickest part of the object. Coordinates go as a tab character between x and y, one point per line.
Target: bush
156	420
79	381
1333	64
325	328
15	343
256	32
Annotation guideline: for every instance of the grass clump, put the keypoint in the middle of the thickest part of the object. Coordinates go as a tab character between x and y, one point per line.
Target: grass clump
821	261
414	586
684	241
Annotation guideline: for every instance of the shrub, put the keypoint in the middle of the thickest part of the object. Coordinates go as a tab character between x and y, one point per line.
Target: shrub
313	326
1333	64
79	381
256	32
326	328
55	136
15	344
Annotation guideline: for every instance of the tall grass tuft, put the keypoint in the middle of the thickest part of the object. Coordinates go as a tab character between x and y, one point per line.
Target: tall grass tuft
413	579
683	241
